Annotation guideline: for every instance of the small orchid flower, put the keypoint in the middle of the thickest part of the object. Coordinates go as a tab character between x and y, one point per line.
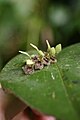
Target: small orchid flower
39	51
50	50
38	62
29	62
25	53
58	48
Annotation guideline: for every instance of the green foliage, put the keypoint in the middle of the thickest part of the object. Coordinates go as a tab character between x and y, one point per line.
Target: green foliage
32	21
54	90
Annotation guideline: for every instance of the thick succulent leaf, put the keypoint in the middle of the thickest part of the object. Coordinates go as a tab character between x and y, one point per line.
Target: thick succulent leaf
54	90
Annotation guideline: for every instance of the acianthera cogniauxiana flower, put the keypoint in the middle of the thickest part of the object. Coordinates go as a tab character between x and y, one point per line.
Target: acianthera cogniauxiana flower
37	62
39	51
50	50
58	48
25	53
29	62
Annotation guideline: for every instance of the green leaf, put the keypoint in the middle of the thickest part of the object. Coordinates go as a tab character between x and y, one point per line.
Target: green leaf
54	90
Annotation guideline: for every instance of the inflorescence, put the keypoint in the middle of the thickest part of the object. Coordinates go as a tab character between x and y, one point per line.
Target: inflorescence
38	62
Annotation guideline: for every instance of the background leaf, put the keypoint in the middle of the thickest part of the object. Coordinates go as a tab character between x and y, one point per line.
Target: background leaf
54	90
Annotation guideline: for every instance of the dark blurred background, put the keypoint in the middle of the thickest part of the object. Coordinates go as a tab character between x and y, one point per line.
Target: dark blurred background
33	21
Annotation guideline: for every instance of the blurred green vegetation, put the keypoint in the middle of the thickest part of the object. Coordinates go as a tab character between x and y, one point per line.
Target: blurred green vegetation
32	21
